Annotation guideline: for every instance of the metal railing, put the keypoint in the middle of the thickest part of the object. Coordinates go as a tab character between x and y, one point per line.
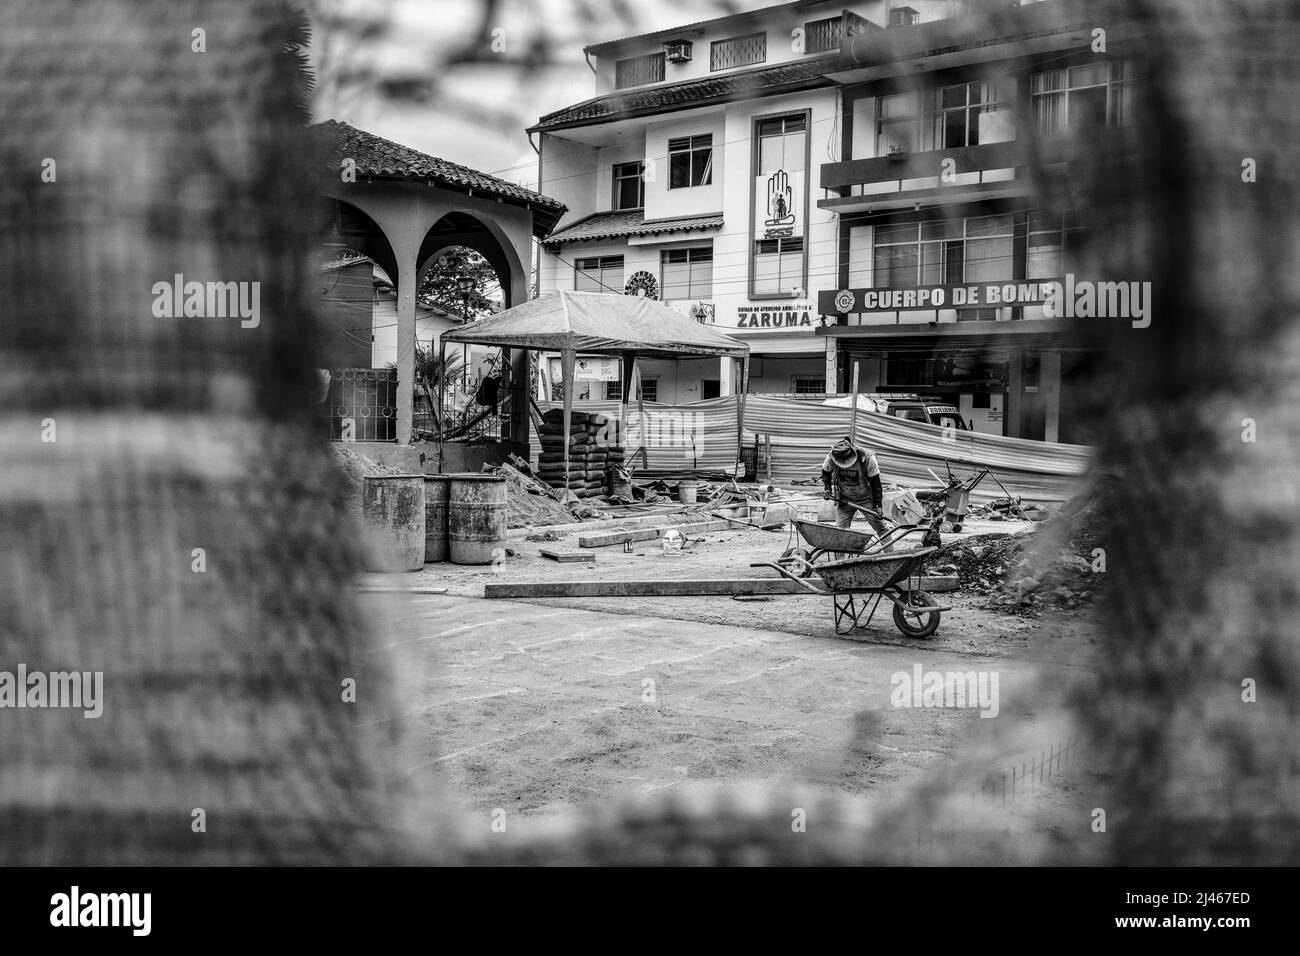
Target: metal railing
361	405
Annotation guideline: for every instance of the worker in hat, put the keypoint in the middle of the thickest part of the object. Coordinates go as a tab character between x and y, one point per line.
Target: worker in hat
851	478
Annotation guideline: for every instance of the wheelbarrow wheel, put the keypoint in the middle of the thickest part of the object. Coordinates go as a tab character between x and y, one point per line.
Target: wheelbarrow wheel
917	623
795	568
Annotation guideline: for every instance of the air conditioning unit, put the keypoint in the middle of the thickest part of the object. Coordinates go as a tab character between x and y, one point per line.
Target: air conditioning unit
677	51
903	17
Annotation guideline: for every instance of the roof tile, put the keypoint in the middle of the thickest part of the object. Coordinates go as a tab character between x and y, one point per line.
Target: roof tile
380	158
663	98
617	225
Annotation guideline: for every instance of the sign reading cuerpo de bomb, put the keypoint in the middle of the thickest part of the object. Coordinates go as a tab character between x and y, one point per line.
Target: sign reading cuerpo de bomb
1065	297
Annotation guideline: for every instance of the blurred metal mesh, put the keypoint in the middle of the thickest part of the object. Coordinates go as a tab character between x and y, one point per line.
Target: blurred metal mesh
223	686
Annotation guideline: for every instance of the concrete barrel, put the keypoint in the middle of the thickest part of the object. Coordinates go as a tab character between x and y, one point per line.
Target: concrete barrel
436	489
393	507
476	518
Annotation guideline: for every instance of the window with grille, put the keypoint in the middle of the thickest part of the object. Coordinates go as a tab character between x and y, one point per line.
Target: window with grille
738	51
598	274
629	186
820	36
687	273
778	265
690	161
639	70
649	390
808	385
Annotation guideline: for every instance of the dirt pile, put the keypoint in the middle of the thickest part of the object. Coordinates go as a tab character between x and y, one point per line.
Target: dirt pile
529	502
1059	564
356	466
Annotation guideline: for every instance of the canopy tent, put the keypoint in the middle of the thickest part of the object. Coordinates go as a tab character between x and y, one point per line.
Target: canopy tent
603	323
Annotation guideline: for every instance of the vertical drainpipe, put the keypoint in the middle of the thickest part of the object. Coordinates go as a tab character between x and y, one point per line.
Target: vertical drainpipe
537	245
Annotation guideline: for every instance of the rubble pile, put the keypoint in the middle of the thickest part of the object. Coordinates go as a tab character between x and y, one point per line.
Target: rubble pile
981	562
593	447
529	502
1055	565
356	466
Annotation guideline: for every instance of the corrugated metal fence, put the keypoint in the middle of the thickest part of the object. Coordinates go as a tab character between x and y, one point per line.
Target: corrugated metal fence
702	435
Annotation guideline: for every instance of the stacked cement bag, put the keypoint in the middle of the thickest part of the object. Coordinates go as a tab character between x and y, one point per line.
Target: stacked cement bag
593	447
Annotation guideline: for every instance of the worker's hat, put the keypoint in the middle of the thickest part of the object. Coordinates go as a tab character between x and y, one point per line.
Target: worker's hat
843	453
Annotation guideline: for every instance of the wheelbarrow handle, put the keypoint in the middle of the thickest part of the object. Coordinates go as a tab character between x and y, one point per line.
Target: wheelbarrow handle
786	573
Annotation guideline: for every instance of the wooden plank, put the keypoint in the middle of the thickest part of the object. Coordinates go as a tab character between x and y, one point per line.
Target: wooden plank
567	555
672	588
663	588
648	534
394	589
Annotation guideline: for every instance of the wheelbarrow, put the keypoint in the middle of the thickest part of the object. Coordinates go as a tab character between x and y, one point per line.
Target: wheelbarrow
825	540
856	586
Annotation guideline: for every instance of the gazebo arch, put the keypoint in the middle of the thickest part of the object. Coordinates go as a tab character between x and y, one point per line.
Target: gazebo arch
460	227
407	195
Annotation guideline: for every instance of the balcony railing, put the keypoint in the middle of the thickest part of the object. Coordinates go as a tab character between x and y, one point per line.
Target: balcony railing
842	177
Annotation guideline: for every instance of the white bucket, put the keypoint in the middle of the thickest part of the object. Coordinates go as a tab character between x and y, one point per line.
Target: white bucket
686	491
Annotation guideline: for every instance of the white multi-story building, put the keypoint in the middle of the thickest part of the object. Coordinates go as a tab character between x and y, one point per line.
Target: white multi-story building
856	188
690	176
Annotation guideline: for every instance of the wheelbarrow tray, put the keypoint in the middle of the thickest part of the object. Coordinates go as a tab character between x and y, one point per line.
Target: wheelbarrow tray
870	572
827	537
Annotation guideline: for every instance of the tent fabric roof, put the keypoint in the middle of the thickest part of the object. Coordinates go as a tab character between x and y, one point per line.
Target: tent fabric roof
599	322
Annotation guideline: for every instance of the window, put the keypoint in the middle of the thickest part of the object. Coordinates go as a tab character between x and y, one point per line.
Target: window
687	273
943	252
778	266
1083	97
950	117
1051	236
639	70
808	385
781	144
629	186
738	51
778	263
598	274
690	161
649	390
821	35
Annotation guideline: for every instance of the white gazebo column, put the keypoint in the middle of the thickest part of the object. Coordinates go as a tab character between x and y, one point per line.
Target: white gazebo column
406	288
726	376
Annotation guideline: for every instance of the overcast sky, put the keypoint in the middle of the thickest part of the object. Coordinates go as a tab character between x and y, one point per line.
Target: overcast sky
382	66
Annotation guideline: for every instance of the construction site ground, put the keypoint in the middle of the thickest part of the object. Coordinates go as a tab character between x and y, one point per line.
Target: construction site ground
558	705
